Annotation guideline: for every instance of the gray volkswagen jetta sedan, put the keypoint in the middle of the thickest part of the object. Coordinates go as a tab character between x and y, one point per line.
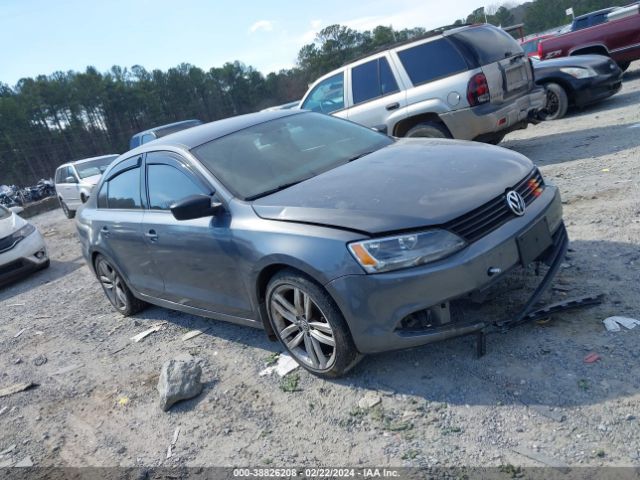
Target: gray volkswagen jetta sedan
337	240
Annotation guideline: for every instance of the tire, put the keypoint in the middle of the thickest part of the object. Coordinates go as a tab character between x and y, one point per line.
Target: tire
67	213
116	289
45	265
428	130
495	139
83	199
624	66
305	319
557	103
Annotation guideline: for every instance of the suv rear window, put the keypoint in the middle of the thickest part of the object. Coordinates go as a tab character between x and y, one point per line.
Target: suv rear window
432	60
487	44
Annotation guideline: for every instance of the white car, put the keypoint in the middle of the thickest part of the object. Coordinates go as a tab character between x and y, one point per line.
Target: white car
75	180
22	248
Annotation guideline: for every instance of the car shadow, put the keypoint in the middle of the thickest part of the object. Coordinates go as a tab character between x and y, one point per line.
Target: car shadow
567	146
534	364
28	281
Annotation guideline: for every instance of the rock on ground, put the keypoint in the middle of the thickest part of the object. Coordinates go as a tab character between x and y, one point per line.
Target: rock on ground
179	380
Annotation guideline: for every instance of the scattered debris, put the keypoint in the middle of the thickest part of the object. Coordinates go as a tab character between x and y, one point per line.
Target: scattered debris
142	335
192	334
285	365
39	360
592	358
25	462
21	332
179	380
18	387
173	442
8	450
68	368
122	401
542	458
612	324
370	400
3	409
289	383
16	305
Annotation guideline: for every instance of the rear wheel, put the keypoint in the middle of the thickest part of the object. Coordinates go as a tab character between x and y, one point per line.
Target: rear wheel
65	209
428	130
557	102
115	289
309	325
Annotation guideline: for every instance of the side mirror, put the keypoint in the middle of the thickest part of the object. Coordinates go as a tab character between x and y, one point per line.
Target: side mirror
70	179
195	206
380	128
16	210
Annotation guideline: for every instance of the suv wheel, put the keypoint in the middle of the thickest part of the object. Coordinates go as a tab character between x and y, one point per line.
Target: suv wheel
429	130
115	289
309	325
557	102
67	213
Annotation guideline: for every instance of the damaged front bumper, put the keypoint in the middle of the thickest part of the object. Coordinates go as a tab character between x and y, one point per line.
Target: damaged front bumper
375	306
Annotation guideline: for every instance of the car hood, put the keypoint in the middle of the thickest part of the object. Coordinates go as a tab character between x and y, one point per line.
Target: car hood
11	224
574	61
410	184
92	180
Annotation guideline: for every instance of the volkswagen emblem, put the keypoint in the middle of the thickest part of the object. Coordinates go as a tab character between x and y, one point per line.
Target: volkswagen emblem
515	202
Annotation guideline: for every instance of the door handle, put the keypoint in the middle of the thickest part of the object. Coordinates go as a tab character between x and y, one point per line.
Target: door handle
151	235
392	106
105	232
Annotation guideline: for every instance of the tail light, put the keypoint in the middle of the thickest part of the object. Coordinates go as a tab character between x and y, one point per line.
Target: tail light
478	90
540	49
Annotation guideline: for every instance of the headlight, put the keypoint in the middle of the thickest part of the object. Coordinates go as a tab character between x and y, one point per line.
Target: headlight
579	72
392	253
23	233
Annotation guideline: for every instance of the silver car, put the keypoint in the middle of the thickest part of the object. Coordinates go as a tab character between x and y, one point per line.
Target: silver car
470	83
75	180
337	240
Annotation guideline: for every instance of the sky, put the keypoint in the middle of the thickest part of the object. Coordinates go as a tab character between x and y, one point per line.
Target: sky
44	36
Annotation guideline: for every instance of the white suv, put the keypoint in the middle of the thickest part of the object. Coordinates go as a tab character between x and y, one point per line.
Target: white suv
472	83
74	181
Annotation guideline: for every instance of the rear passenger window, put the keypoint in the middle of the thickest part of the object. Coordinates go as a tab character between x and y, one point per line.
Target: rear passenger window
431	60
167	185
124	190
372	80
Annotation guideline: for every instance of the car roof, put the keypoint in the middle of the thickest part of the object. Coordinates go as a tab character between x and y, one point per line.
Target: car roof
89	159
168	125
192	137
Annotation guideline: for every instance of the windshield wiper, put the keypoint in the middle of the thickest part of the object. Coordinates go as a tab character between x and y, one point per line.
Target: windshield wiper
360	155
276	189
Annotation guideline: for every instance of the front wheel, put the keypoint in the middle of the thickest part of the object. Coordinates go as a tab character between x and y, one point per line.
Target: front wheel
65	209
309	325
557	102
115	289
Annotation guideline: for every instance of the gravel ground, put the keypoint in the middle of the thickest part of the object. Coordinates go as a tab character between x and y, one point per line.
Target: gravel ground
530	400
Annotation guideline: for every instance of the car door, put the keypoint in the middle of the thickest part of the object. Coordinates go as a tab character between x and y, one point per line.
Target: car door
73	188
197	258
118	223
375	94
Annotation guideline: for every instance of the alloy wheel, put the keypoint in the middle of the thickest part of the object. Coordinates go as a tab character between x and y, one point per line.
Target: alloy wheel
303	327
112	284
553	103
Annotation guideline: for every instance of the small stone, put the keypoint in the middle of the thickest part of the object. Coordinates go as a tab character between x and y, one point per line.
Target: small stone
370	400
17	361
630	417
25	462
121	450
39	360
179	380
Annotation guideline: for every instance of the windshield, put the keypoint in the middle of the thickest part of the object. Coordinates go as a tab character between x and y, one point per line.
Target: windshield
275	154
4	213
94	167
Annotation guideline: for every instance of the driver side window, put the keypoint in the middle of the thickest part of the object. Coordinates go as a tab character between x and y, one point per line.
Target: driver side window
167	185
327	96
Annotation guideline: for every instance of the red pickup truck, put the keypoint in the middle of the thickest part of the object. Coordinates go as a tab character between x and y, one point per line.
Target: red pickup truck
618	39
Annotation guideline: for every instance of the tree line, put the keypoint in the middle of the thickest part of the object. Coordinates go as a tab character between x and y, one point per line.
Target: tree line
51	119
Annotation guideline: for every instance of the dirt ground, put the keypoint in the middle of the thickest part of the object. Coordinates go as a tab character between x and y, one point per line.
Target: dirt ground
531	400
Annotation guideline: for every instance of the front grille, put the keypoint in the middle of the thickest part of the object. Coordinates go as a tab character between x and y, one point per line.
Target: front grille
479	222
7	243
